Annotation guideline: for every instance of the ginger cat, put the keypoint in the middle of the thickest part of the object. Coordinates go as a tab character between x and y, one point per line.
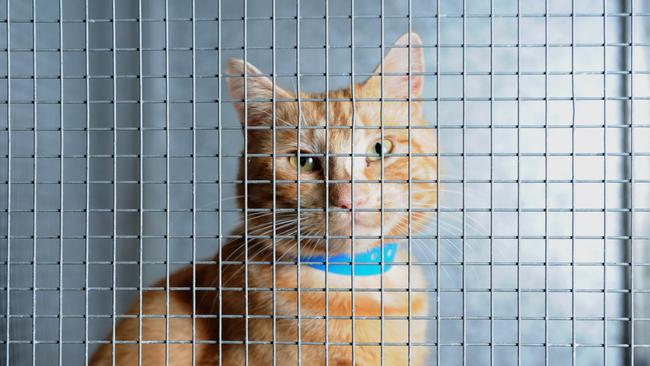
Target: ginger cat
372	154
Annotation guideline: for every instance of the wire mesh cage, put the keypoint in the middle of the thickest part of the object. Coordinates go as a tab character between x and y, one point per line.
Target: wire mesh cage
346	182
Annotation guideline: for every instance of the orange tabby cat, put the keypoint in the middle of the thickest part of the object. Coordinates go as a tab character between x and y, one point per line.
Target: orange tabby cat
251	318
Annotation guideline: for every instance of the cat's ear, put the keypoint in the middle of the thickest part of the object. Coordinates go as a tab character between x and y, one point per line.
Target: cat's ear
396	68
258	87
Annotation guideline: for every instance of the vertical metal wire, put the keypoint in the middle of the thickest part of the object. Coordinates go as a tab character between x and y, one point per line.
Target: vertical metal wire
87	177
114	157
409	191
352	205
194	182
141	179
35	186
605	157
546	11
298	191
220	186
438	156
61	155
274	183
518	183
167	182
9	171
326	178
632	203
246	183
381	183
491	232
573	188
464	202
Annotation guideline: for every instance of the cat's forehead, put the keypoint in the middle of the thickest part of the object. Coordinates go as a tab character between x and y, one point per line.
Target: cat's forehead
326	123
365	114
338	138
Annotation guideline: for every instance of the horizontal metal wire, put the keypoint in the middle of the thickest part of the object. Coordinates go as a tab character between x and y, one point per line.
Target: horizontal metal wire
335	289
448	154
322	47
469	15
311	317
442	99
422	210
448	126
397	263
361	237
342	317
333	343
317	74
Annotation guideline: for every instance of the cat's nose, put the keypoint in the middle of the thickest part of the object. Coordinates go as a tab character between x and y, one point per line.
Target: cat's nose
341	196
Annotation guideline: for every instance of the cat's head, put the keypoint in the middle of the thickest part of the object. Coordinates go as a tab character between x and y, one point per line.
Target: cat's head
373	152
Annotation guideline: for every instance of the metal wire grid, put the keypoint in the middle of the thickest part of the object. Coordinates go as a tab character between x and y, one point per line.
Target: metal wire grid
96	141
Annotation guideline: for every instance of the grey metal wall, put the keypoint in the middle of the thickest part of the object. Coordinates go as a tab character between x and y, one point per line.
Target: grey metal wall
535	144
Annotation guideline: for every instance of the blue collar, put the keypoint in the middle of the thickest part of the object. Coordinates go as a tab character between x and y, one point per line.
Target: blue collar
364	263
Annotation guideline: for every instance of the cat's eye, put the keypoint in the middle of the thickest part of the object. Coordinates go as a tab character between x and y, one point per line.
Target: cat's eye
380	148
306	163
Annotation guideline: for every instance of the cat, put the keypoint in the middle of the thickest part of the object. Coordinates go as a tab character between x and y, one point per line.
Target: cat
372	154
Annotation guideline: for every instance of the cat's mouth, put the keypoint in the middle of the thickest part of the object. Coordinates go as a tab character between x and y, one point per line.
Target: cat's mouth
362	221
348	217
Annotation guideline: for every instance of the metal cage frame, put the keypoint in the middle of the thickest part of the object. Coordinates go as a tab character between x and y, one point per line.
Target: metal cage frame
116	129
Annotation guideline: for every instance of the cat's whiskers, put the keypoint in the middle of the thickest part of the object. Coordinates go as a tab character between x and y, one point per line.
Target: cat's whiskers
458	249
470	222
426	247
261	244
266	228
294	241
458	231
435	205
468	217
210	203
